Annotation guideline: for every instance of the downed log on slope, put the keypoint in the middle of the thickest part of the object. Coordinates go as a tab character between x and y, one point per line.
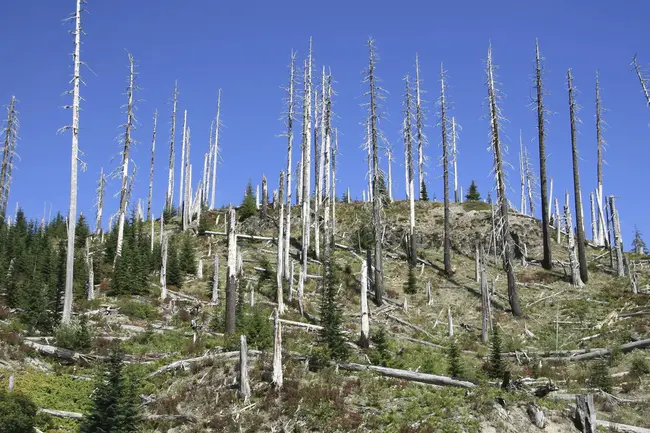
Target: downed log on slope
62	413
622	428
151	417
412	376
67	355
598	353
410	325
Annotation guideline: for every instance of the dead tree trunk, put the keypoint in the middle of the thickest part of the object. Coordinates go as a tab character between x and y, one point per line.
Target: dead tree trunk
215	151
302	276
364	340
547	261
169	201
277	351
486	309
100	202
407	134
529	181
594	227
72	213
573	259
244	385
419	125
506	238
582	256
231	285
584	416
522	176
215	281
454	160
129	126
8	152
306	162
280	265
445	175
373	115
163	269
187	192
335	151
370	169
389	158
265	198
642	80
290	116
90	293
618	243
153	152
327	166
181	190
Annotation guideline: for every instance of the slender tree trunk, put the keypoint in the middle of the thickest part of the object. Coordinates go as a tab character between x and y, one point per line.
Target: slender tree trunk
72	212
558	223
600	231
445	174
620	265
215	281
529	181
187	200
8	152
327	166
573	259
407	134
513	298
486	309
301	289
100	202
306	162
642	80
215	151
205	178
265	197
280	265
549	204
582	256
454	159
290	116
152	236
231	286
169	202
419	124
181	189
522	176
153	152
370	168
244	385
277	351
90	294
364	341
163	269
389	157
335	151
594	227
547	261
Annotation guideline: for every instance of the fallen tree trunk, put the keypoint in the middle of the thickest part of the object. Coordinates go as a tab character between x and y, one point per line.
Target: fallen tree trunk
598	353
243	236
184	364
62	413
60	353
412	376
410	325
151	417
622	428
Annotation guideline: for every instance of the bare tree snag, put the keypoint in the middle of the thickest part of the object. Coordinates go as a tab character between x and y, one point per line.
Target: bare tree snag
244	385
301	290
90	293
486	307
364	340
373	119
265	198
576	279
454	161
181	189
370	169
306	161
215	281
277	351
289	134
152	236
187	192
522	176
280	265
327	166
547	261
427	289
169	199
231	284
594	227
477	267
600	142
215	152
549	206
582	256
495	115
407	134
100	202
335	151
618	242
419	125
530	179
163	269
72	212
450	322
642	80
445	175
153	152
291	273
558	221
8	153
584	416
389	158
128	141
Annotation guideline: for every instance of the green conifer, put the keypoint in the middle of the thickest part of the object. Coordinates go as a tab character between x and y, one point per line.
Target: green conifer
187	257
496	367
472	193
411	285
455	368
331	336
424	195
248	206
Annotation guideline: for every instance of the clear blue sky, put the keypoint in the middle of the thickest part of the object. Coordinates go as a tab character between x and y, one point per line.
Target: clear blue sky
244	48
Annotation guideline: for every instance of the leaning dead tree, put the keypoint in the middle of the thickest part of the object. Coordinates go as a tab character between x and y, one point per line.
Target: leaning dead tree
215	152
374	94
445	175
573	258
127	139
306	160
600	238
289	134
643	80
153	152
72	212
547	261
580	230
407	134
419	125
169	198
502	200
8	153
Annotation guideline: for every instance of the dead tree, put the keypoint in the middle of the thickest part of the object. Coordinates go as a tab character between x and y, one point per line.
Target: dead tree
335	151
231	284
289	134
419	125
584	416
244	385
327	166
100	202
389	158
8	153
181	190
600	143
576	279
369	175
530	180
72	212
547	261
364	340
153	151
522	176
373	120
454	160
163	269
186	203
486	322
169	199
215	152
407	134
90	293
280	266
129	126
618	242
445	174
582	257
306	160
277	350
642	80
506	238
265	198
215	281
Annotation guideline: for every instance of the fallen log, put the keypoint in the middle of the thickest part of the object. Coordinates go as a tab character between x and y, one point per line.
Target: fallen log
429	344
598	353
184	364
152	417
243	236
62	413
410	325
301	324
622	428
61	353
412	376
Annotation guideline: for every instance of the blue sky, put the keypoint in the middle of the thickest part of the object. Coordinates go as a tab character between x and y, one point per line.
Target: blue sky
244	48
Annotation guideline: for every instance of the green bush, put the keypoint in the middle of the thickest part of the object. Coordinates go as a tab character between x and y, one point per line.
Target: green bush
599	376
139	310
640	366
380	355
455	368
258	329
17	413
74	336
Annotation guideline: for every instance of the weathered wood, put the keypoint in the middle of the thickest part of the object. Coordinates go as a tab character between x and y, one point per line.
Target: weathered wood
244	385
231	285
280	246
431	379
486	309
621	428
163	269
574	262
62	413
536	415
62	354
277	350
301	290
618	242
584	416
364	339
450	322
215	281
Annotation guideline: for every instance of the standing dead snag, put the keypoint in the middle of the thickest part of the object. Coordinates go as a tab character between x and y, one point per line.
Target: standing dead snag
277	351
265	198
8	152
181	190
186	203
306	161
335	151
327	166
445	171
215	152
100	202
582	257
618	242
90	293
153	151
128	141
547	261
163	269
573	260
454	161
364	340
72	213
600	142
407	134
290	115
495	115
486	310
522	176
642	80
419	124
280	265
169	199
373	120
231	284
215	281
244	385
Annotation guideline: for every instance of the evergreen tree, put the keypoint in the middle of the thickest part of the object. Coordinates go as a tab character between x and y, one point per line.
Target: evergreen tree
600	377
472	193
187	257
381	354
17	413
382	191
455	368
248	206
496	367
411	285
638	245
174	277
331	336
81	232
424	195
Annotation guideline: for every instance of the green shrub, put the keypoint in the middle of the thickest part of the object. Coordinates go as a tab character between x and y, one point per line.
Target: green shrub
411	284
258	330
380	355
74	336
17	413
640	366
599	376
139	310
455	368
496	367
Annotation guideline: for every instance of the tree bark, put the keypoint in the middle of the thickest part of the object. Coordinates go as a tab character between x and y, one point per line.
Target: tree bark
618	242
100	202
215	152
244	385
90	294
231	287
584	416
445	175
364	340
277	351
408	375
169	200
181	190
306	162
573	260
419	124
215	281
486	310
280	242
290	116
153	152
454	160
163	270
407	134
8	151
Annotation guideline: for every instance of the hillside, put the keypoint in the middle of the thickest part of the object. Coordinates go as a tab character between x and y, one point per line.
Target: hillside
562	324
